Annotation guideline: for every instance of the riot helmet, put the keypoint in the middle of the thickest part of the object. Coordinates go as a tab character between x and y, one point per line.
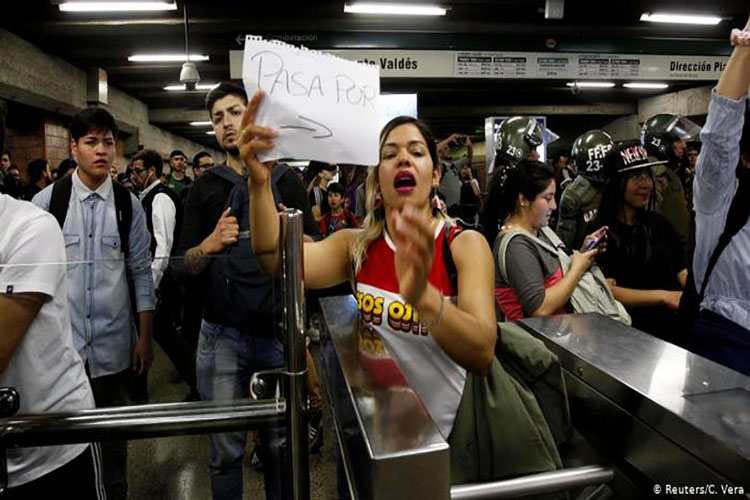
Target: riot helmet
518	136
660	131
590	152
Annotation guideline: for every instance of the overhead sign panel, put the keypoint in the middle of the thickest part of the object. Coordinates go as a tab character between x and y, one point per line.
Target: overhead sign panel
527	65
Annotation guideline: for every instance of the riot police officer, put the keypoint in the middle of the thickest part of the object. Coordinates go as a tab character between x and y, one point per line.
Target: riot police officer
518	138
581	198
664	137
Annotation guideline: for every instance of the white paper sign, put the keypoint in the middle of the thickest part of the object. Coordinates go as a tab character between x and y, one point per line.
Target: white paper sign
324	108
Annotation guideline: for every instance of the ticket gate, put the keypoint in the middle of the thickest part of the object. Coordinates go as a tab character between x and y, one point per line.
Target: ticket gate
660	415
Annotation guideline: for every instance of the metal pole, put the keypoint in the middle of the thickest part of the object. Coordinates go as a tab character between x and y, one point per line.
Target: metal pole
135	422
295	374
535	484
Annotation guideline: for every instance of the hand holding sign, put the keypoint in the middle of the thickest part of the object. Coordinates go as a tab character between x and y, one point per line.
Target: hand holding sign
323	107
255	140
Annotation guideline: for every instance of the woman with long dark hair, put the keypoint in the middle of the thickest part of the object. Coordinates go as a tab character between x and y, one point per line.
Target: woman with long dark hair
645	258
529	278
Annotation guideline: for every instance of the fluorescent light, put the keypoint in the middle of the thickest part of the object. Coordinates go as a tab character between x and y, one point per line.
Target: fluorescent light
200	124
210	132
115	6
680	18
165	57
591	85
398	9
645	85
178	88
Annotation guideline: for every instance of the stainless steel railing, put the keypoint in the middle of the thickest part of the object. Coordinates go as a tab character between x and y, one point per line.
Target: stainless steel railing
138	422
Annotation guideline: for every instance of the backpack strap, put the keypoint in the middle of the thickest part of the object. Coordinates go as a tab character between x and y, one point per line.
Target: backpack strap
60	199
124	212
450	232
503	250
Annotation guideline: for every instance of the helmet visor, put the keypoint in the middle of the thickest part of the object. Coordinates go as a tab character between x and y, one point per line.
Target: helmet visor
684	128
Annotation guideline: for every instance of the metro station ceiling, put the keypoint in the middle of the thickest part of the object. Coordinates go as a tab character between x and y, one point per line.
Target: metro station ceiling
215	27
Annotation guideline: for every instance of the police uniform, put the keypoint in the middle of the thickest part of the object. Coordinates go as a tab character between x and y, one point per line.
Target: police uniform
578	208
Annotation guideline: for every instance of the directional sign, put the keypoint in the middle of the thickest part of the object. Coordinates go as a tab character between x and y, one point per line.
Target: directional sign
324	108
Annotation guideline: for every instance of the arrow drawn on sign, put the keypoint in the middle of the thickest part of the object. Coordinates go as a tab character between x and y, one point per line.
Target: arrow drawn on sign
328	134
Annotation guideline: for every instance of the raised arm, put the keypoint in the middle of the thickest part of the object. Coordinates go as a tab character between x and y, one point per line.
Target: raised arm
735	78
326	262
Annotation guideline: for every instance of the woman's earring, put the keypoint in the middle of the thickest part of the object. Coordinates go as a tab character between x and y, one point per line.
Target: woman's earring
379	209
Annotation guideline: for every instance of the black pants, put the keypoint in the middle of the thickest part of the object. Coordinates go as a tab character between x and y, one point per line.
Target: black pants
112	390
721	340
79	479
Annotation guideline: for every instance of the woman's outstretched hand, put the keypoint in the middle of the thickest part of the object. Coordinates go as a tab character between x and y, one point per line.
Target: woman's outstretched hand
255	139
415	247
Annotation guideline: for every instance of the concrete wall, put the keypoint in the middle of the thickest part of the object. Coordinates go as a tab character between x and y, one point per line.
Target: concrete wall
31	77
690	102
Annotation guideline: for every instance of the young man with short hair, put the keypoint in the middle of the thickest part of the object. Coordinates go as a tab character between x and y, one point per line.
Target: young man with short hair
178	181
39	178
201	162
242	309
104	326
162	206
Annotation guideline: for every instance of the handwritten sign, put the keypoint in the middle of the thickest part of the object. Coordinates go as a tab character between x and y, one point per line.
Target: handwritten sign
324	108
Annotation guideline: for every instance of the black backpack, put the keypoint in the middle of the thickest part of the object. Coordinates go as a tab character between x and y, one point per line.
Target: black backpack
737	217
247	292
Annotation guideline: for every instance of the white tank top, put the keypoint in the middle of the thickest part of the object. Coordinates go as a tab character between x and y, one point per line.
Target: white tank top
437	379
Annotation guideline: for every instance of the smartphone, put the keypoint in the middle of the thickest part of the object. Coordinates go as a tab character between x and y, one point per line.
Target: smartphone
595	242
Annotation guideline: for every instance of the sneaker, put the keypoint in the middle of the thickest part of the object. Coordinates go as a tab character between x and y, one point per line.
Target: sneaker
315	432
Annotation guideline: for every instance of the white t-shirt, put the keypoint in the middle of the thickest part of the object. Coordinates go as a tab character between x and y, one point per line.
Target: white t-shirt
45	369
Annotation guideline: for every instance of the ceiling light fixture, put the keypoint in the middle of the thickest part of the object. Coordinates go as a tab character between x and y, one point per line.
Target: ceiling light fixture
165	57
645	85
591	85
210	132
394	9
178	88
116	6
680	18
200	124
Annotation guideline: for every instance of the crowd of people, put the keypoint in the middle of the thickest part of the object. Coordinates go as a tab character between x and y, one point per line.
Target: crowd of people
642	227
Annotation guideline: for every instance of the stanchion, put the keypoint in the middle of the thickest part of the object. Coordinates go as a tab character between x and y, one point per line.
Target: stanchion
295	372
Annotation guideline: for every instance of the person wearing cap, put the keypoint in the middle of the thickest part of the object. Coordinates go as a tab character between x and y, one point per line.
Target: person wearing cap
720	194
177	180
645	258
580	199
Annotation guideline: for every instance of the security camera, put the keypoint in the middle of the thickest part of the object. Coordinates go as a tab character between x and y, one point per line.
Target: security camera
189	75
574	89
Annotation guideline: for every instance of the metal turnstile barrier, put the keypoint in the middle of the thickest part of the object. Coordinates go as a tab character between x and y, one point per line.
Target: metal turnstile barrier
389	446
661	415
138	422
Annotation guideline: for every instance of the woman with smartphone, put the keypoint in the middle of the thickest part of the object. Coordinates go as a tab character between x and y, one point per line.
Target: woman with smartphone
529	276
645	260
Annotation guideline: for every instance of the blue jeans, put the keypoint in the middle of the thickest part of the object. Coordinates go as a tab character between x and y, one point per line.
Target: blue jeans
226	359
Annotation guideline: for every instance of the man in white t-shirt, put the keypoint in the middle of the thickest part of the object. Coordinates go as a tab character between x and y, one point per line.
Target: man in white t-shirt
37	356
